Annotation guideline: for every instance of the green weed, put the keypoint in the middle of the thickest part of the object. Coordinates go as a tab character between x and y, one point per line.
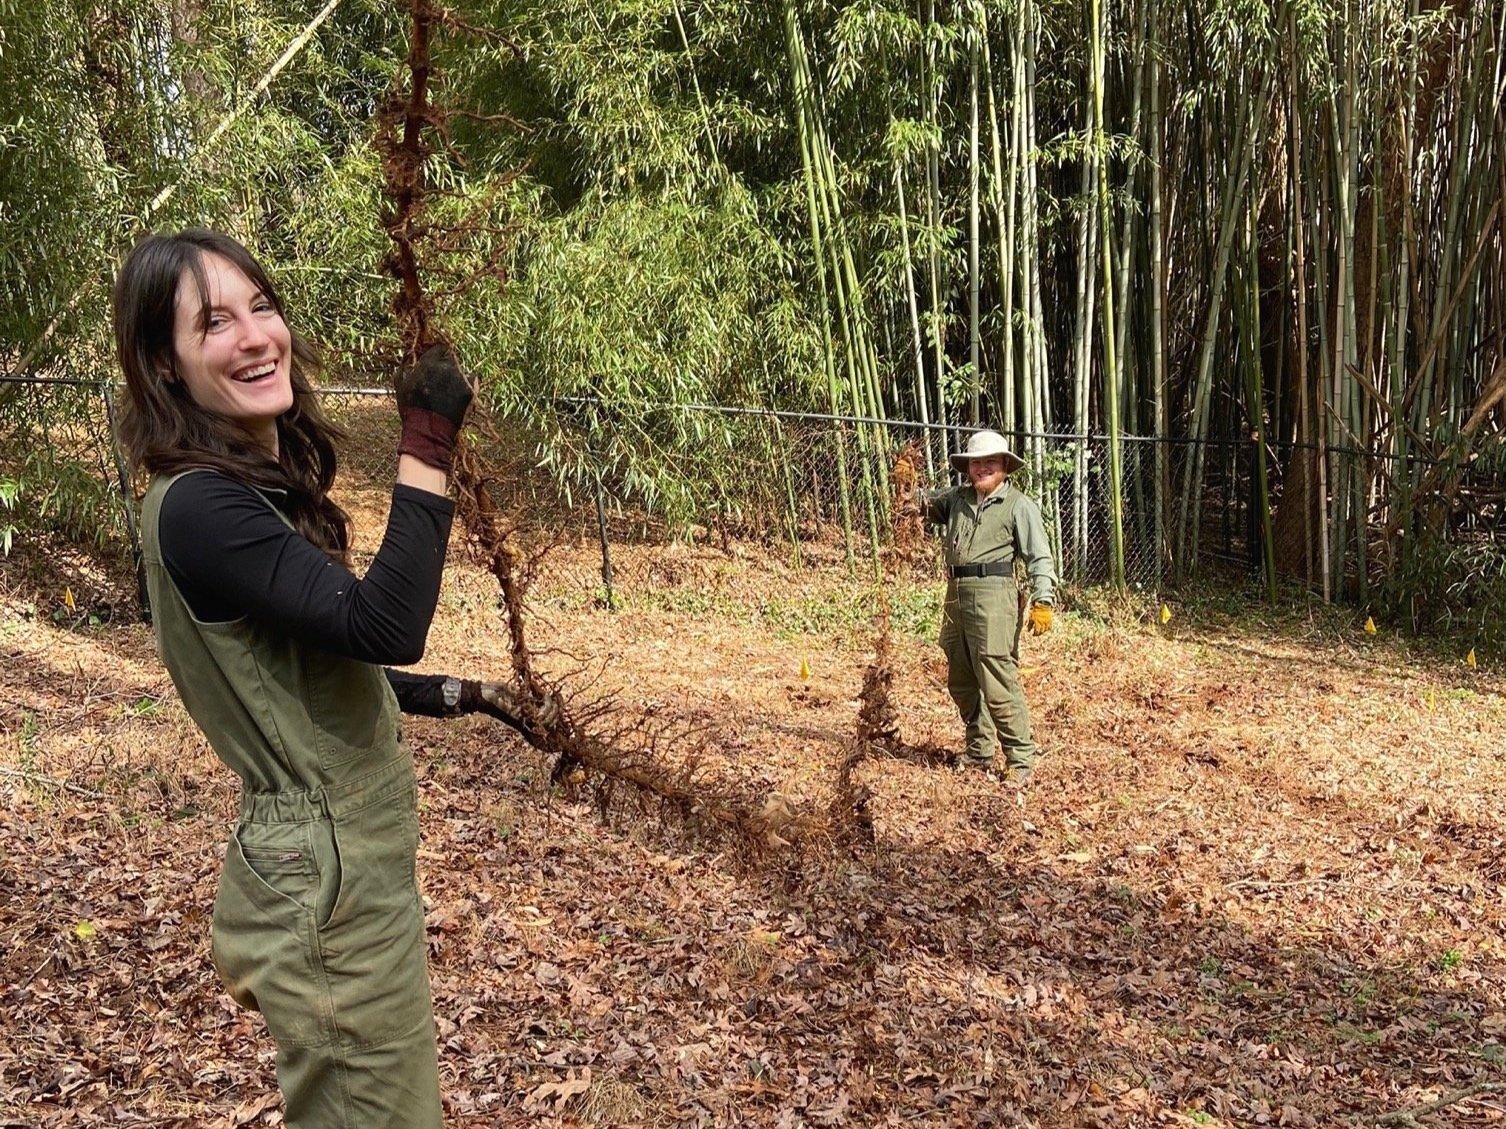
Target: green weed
1352	1034
27	739
1361	992
145	706
1448	960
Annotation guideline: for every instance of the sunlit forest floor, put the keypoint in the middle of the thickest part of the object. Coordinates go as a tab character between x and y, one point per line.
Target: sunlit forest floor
1260	877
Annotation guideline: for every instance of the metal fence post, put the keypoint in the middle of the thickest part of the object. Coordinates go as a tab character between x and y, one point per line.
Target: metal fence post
601	533
128	506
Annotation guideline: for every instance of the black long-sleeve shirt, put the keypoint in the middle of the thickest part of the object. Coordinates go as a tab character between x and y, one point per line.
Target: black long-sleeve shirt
231	556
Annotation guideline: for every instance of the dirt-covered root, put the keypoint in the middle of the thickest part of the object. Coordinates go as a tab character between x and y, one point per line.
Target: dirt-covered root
578	738
599	744
909	535
878	720
878	731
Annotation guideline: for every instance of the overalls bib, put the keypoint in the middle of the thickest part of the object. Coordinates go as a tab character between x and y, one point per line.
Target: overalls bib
318	922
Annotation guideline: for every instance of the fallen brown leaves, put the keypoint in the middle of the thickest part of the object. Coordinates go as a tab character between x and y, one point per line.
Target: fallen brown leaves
1259	881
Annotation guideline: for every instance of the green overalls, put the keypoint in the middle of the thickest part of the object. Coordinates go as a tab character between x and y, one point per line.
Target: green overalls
318	922
980	624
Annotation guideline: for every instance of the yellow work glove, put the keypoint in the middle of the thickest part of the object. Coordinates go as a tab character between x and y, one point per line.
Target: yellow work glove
1041	619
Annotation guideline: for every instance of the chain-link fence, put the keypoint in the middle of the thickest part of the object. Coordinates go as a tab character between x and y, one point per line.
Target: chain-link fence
816	487
59	443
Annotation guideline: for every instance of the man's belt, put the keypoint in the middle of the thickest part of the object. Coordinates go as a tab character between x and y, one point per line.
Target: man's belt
973	571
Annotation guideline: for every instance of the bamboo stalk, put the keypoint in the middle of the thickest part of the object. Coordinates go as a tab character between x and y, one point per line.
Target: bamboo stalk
933	220
1202	390
800	79
1111	389
1002	189
1126	243
922	396
1087	292
974	278
1401	476
1255	399
1040	400
1158	296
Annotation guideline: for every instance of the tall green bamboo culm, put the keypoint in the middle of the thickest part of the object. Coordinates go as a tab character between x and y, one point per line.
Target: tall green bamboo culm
1111	391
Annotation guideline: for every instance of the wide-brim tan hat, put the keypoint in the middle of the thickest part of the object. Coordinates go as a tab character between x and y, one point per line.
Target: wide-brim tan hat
982	444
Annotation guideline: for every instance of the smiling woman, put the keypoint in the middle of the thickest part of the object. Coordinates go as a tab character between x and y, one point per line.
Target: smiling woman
277	651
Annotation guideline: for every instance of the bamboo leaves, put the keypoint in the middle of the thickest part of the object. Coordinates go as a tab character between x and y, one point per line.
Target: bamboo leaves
1247	257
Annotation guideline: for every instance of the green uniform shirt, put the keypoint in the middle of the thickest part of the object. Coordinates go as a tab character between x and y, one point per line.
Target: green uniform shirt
1005	527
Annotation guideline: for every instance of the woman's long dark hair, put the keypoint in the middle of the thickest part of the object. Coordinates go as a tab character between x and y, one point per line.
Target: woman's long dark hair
165	431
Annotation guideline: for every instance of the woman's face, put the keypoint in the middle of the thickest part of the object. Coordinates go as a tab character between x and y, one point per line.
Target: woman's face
986	474
236	357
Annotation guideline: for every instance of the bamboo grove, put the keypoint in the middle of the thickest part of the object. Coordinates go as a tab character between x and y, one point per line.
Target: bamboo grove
1200	225
1177	252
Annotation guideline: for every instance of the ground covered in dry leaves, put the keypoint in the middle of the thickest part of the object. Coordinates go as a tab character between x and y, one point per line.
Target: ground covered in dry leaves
1259	878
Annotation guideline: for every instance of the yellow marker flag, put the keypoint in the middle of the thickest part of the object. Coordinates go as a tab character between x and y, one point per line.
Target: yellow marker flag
1369	626
1432	702
85	931
805	671
1165	614
68	599
1470	658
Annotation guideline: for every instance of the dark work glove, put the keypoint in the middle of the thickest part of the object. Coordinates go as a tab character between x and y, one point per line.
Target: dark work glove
432	398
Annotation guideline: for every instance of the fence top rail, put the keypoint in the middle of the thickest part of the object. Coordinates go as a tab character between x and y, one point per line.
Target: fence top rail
918	425
876	421
103	383
69	381
116	382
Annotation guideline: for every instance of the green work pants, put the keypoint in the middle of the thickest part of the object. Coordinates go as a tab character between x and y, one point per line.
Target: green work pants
980	634
318	925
